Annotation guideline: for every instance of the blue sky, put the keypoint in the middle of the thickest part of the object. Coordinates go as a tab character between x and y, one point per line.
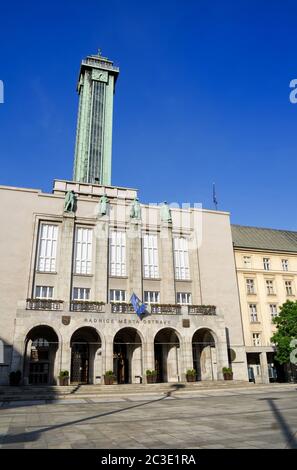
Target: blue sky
202	96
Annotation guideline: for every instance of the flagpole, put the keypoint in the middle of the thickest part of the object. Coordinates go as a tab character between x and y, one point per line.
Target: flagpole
214	198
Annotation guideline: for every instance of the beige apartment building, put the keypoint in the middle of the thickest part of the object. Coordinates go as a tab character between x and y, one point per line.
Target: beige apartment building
66	279
266	265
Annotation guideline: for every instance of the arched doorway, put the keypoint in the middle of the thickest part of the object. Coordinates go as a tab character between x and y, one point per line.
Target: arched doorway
127	356
84	343
40	353
167	355
204	355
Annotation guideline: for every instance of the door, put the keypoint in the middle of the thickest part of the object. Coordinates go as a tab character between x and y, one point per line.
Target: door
80	363
159	362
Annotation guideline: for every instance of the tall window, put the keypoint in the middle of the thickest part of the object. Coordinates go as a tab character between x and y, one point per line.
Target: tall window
117	254
269	287
83	250
256	339
150	256
285	264
253	313
250	286
273	310
247	263
47	248
181	258
44	292
151	297
183	298
81	293
116	295
289	287
266	264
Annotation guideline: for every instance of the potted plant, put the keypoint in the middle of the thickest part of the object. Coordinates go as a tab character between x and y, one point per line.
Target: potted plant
151	376
109	377
227	373
15	377
191	375
64	378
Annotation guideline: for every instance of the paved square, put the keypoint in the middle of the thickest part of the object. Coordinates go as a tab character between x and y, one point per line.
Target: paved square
246	419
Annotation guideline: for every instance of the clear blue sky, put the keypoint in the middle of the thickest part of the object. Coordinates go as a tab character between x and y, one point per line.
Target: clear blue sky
202	96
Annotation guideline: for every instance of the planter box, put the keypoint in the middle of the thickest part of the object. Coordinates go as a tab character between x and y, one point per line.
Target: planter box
191	378
63	381
151	379
228	376
108	379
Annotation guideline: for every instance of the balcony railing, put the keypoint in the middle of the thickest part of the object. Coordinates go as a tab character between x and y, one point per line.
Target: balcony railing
44	304
165	309
86	306
121	307
202	309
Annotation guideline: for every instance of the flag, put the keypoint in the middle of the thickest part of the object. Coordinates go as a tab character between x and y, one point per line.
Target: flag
138	306
214	197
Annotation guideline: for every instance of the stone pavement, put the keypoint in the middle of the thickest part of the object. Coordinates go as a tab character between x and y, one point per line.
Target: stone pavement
259	417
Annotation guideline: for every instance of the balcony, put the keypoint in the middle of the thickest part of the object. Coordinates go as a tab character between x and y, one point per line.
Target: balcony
165	309
121	307
202	309
44	304
86	306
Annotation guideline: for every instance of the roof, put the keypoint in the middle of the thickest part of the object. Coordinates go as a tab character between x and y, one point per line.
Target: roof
264	238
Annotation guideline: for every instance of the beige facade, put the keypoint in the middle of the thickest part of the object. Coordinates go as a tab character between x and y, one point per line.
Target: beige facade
66	281
266	266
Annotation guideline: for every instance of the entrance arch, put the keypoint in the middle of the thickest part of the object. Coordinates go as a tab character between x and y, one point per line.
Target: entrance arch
167	355
84	343
204	355
127	356
41	346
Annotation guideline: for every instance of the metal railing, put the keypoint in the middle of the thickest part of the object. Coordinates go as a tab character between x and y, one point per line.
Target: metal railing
121	307
86	306
165	309
44	304
202	309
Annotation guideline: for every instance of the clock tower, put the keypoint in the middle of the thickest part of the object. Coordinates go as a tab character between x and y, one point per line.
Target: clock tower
96	85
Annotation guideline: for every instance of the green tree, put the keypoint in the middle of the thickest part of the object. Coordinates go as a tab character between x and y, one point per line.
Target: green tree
286	323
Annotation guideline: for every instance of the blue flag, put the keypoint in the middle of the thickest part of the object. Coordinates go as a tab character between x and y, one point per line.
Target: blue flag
138	306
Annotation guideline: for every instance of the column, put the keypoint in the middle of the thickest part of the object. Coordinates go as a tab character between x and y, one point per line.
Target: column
101	259
135	258
65	258
264	368
167	273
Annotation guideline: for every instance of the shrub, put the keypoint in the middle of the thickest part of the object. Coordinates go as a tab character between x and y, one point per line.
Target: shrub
15	377
151	372
109	373
227	370
191	372
64	373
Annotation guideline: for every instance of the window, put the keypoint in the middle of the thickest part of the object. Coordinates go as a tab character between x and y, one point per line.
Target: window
269	287
116	295
184	298
151	297
285	264
83	250
44	292
289	287
181	258
266	264
81	293
256	339
150	256
250	286
247	262
117	254
47	248
253	313
273	310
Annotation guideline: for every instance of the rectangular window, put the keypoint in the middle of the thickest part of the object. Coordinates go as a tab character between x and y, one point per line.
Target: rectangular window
269	287
116	295
250	286
83	251
247	262
289	287
181	258
150	256
117	254
256	339
47	248
81	293
44	292
266	264
183	298
273	310
285	264
151	297
253	313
